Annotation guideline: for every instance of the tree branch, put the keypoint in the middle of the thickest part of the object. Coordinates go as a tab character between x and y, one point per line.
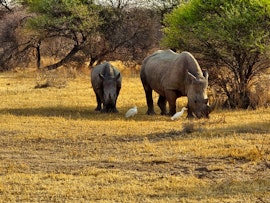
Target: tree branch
73	51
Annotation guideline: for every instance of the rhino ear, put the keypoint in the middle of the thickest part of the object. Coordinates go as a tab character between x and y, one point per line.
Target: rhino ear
101	76
205	74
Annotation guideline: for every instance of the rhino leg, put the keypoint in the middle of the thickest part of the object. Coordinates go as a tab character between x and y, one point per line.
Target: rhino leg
150	104
106	109
109	109
99	102
148	93
190	114
118	88
171	96
162	104
112	110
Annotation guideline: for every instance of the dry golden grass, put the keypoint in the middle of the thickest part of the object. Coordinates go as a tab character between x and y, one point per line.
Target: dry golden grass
55	148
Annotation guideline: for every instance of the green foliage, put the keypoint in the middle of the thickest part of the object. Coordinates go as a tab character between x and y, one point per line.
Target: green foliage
65	16
233	24
234	34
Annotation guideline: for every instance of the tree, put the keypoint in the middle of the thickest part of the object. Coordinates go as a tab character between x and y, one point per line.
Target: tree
95	31
234	34
74	20
127	34
14	47
165	6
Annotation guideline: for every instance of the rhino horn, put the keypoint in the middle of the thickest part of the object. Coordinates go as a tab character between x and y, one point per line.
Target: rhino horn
212	106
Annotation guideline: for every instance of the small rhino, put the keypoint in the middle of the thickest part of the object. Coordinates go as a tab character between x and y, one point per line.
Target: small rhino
106	81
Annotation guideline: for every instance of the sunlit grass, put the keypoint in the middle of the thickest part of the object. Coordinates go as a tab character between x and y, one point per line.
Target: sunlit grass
56	148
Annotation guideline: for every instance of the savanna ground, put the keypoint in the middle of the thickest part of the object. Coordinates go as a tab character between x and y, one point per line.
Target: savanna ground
55	148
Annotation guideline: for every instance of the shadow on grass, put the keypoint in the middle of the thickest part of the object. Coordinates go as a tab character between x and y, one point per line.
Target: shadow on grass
154	137
187	129
189	132
76	113
64	112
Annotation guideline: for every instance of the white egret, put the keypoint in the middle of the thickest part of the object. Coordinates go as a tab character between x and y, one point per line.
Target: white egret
131	112
178	114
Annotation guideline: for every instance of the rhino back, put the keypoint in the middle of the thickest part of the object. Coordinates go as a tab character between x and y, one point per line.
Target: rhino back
165	70
191	64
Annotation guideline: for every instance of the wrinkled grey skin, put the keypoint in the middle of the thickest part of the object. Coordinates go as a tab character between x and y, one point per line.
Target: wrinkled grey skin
174	75
106	81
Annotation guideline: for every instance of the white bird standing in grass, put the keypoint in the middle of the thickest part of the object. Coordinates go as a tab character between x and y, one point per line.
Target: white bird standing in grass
178	114
131	112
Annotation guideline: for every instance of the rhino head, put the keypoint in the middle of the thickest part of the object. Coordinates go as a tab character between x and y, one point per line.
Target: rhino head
198	105
110	93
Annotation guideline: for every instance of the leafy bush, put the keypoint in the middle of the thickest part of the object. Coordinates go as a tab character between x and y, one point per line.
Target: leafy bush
231	34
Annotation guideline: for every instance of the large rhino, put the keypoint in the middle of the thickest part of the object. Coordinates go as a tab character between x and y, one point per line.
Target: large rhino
173	75
106	81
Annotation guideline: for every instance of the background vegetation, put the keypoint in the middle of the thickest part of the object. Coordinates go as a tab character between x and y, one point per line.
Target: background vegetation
56	148
234	35
230	39
78	31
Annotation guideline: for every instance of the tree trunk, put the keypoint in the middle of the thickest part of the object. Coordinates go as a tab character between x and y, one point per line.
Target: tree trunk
73	51
244	100
91	63
38	54
238	97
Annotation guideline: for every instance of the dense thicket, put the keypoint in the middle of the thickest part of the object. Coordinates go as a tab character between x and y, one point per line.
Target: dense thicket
232	37
77	30
233	34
